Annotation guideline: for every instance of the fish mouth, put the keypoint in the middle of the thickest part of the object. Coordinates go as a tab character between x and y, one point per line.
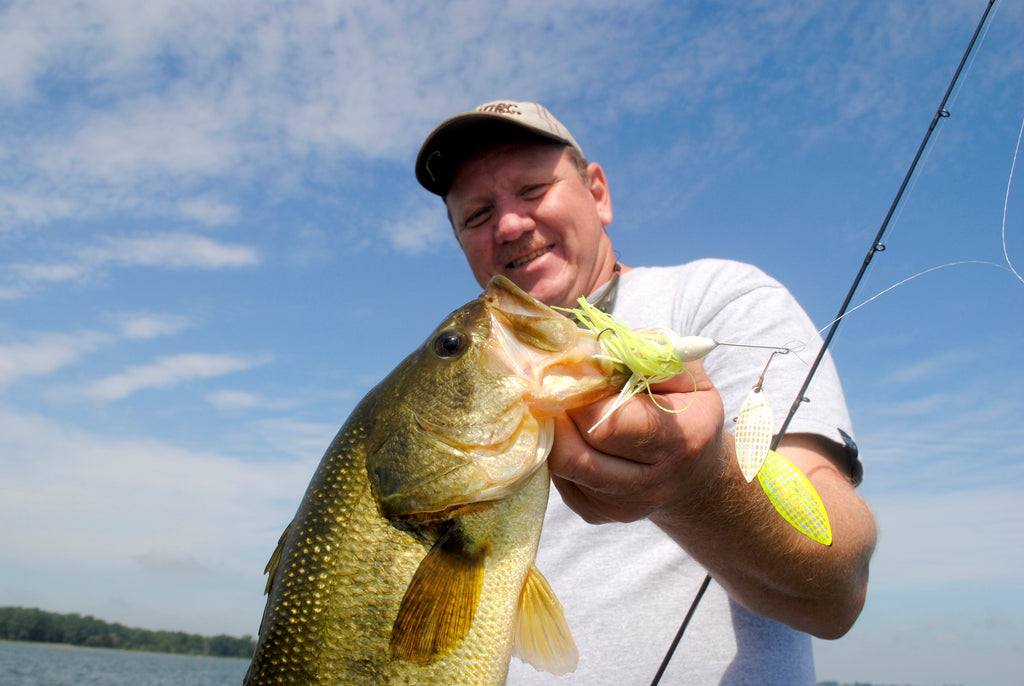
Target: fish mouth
561	363
529	257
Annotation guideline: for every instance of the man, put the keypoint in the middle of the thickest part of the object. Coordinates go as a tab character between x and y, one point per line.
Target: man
665	486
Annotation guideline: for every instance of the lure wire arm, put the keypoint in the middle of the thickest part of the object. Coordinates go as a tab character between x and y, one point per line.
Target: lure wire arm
760	379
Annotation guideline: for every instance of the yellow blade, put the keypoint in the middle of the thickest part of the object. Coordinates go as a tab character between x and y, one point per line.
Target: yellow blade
753	433
795	498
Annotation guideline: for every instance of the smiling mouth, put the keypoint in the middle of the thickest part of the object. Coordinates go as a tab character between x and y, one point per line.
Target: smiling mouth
520	261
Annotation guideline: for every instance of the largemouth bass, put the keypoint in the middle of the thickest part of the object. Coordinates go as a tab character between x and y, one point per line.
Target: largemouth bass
411	557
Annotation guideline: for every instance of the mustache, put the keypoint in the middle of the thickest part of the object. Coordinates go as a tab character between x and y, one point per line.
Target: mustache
523	251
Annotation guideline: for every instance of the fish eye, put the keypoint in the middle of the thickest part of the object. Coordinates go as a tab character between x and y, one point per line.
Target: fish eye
449	343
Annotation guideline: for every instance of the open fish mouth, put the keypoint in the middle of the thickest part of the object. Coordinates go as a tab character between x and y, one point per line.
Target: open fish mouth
556	358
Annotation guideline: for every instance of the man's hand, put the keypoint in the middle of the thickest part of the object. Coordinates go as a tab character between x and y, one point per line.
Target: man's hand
642	458
679	469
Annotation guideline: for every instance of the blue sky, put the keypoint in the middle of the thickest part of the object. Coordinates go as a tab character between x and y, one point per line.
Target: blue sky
212	245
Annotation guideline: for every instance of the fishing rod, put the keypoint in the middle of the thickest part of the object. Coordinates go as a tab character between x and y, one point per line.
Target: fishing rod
877	246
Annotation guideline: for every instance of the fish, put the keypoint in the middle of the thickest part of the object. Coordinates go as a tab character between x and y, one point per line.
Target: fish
411	557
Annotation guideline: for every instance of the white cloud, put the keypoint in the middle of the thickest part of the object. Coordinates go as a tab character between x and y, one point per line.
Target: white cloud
298	438
45	273
209	210
420	231
171	250
942	421
24	278
161	250
309	247
27	202
242	400
168	372
162	99
145	326
931	367
155	140
46	354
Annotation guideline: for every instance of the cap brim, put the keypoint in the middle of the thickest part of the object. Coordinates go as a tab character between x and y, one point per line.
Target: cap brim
458	138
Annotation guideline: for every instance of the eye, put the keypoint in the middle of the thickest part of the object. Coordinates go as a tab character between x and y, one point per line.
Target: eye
450	343
534	191
477	218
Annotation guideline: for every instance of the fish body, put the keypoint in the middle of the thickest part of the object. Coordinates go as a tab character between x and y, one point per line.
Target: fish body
410	558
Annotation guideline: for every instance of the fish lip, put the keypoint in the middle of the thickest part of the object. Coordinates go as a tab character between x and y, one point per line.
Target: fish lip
491	471
406	516
559	349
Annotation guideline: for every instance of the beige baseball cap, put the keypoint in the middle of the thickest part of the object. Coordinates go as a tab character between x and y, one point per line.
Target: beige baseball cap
501	121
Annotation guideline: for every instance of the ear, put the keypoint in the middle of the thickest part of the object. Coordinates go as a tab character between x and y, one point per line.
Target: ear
599	191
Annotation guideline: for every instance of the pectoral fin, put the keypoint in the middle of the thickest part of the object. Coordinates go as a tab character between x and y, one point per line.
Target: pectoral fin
542	636
441	600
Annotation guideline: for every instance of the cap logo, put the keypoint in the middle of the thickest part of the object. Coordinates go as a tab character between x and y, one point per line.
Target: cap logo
499	108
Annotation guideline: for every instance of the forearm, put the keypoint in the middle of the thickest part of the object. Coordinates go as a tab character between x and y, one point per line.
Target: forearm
731	528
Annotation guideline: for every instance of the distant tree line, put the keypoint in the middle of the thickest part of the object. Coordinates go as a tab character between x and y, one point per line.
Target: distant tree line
31	624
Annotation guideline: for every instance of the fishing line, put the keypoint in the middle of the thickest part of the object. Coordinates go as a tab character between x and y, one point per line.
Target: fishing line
1006	201
1006	253
876	247
955	97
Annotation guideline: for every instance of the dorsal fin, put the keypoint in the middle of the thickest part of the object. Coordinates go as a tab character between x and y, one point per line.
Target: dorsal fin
542	637
275	560
440	603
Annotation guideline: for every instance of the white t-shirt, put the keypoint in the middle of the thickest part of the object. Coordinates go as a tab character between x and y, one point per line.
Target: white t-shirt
626	587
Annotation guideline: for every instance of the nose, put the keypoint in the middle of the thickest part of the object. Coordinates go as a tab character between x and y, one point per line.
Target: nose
513	221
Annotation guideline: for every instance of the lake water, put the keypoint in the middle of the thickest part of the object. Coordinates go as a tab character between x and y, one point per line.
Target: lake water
42	664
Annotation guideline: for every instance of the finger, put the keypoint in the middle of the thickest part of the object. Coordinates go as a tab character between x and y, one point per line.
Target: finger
574	459
650	425
692	379
598	508
646	409
580	502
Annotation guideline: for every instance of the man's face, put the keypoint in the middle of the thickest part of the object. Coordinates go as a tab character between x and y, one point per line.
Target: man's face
524	211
